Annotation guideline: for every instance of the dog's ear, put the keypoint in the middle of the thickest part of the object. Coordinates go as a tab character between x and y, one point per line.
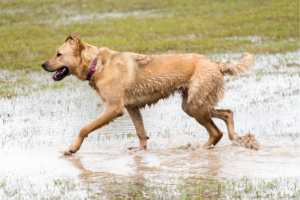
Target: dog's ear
74	38
76	42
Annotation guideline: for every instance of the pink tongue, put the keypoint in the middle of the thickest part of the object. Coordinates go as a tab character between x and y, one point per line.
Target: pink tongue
57	73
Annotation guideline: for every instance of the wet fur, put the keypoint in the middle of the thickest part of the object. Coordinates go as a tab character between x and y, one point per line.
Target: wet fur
132	81
136	82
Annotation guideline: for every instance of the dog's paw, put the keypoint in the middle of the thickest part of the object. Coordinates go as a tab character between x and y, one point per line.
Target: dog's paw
137	148
210	147
68	151
131	148
237	140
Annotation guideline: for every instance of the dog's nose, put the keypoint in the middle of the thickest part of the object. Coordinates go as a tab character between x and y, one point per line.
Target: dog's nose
43	65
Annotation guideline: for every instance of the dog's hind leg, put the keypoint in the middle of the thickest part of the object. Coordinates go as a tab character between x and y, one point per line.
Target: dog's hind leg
137	120
203	117
227	117
110	113
204	92
247	141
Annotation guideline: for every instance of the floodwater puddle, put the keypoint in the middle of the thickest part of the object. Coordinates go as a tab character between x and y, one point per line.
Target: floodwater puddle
265	103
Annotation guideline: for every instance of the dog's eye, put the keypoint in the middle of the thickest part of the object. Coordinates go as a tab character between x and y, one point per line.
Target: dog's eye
58	54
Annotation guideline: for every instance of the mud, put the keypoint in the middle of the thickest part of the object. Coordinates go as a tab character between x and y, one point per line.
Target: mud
265	103
248	141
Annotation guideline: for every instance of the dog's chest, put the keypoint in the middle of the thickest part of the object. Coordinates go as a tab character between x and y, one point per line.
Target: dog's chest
93	85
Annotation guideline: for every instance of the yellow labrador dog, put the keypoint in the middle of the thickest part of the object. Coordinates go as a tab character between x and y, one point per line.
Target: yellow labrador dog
132	81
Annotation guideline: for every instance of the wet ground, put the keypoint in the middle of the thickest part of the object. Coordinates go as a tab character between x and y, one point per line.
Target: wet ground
265	102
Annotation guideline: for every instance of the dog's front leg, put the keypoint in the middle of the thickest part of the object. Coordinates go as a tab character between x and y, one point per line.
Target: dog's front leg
110	113
137	120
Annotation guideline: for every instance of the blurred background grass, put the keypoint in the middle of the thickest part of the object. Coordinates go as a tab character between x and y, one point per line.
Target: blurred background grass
32	30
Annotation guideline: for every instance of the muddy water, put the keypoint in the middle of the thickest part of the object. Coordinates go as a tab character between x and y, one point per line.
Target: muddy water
266	102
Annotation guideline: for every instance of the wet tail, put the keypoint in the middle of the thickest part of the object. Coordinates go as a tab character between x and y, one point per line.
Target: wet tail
236	67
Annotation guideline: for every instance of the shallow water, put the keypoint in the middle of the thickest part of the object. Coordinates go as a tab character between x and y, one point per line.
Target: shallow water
265	103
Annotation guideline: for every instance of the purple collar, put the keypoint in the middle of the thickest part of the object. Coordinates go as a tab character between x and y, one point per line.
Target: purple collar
92	69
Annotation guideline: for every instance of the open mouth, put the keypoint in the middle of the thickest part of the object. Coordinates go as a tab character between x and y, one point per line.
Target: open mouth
60	74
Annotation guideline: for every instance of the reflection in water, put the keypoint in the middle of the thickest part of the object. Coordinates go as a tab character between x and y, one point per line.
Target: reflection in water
151	163
83	172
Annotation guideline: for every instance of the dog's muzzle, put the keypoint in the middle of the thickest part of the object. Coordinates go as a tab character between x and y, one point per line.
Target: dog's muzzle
59	74
44	65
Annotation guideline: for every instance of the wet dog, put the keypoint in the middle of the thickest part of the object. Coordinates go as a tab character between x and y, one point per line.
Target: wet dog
132	81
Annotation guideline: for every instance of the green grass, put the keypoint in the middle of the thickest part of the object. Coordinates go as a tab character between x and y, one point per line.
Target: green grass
31	31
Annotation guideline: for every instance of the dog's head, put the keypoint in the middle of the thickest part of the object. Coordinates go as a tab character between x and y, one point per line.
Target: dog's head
68	59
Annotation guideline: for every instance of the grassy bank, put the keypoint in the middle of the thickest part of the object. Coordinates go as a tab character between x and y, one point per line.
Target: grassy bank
31	31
